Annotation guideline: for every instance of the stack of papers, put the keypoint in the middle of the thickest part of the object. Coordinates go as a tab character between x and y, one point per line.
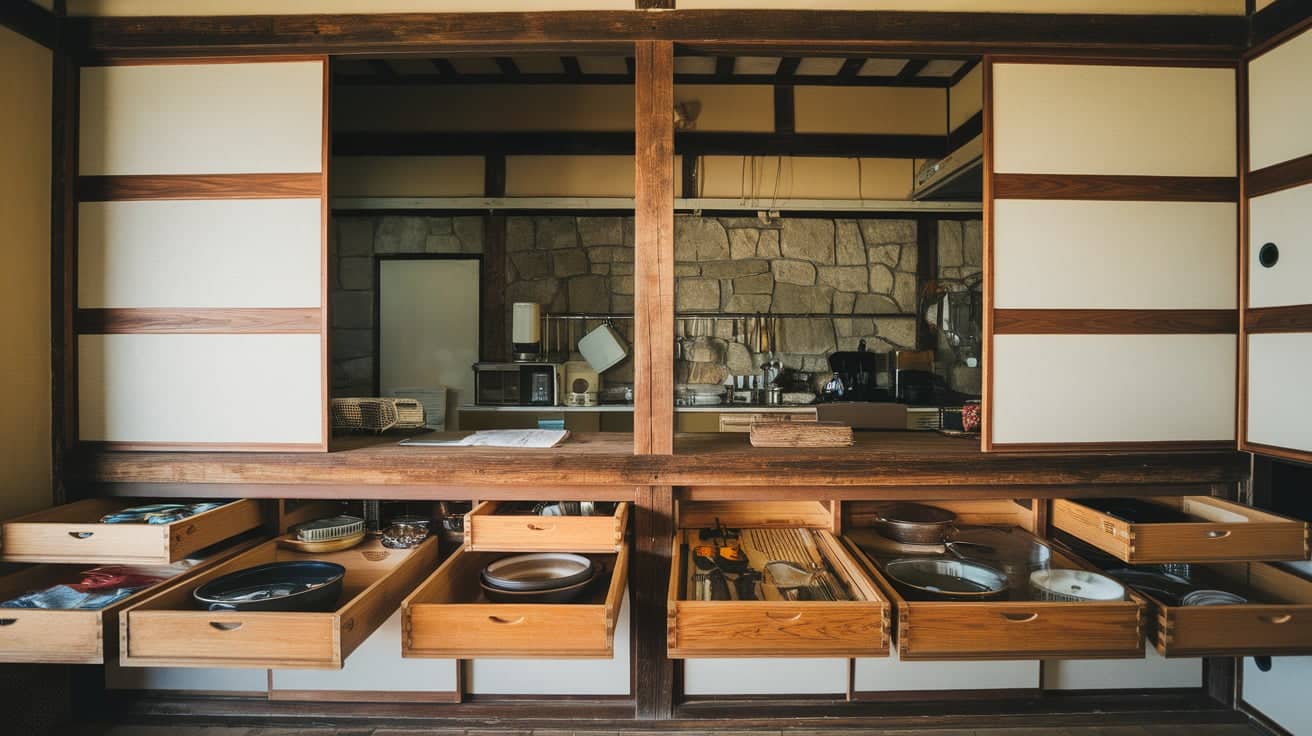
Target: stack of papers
529	438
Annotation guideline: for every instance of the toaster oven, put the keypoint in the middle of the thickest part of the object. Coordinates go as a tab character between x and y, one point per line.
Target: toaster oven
517	384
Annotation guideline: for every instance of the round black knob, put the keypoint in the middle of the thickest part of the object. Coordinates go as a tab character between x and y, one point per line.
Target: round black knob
1268	255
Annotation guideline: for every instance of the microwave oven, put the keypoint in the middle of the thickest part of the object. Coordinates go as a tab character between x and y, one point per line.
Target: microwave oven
517	384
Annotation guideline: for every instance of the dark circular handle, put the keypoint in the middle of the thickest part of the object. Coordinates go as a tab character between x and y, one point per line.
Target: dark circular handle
1269	255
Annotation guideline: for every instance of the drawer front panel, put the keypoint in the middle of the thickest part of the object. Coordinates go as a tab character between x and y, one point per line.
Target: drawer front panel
728	629
1235	630
203	639
51	637
485	530
1280	218
1277	390
507	630
1279	103
1019	630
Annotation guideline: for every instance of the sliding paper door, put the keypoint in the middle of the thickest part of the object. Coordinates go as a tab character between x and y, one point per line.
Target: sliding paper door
1111	199
201	242
1278	259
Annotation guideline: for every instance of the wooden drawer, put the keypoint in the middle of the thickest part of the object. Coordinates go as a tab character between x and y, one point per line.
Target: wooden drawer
73	533
166	629
448	616
774	628
1281	624
1226	532
488	531
41	636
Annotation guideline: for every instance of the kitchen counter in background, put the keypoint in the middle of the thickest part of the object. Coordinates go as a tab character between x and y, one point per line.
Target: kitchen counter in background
719	408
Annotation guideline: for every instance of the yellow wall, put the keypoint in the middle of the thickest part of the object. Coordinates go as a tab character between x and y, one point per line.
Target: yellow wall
245	7
966	97
25	69
736	108
483	108
406	176
801	177
894	110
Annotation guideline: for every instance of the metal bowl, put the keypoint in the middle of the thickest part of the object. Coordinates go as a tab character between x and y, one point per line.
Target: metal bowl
305	585
563	594
946	579
538	571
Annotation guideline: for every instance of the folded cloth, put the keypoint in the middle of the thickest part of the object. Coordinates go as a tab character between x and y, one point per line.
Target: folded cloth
100	587
114	576
159	513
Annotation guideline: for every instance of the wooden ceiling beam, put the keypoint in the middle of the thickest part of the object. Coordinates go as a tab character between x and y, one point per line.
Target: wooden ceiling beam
787	68
508	67
445	68
851	68
961	73
724	68
910	71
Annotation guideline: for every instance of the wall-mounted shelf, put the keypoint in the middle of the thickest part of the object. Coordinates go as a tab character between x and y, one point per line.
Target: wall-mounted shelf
625	204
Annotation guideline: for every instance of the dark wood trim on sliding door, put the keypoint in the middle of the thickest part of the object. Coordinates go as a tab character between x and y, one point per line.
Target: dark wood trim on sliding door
199	186
1109	187
1281	176
1115	321
986	326
1296	318
63	267
202	321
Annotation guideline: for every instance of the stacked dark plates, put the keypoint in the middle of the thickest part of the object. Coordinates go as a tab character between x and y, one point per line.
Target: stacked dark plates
543	577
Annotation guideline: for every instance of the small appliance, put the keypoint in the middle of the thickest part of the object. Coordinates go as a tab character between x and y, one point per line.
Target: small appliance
582	384
526	331
517	384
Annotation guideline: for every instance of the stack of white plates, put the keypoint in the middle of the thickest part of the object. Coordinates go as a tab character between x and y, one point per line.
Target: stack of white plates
1212	598
1074	586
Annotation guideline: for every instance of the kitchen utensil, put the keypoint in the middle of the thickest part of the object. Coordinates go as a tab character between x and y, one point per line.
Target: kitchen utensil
1207	597
303	585
405	533
333	545
946	579
329	528
1009	549
537	571
915	523
559	594
1168	588
1074	586
878	545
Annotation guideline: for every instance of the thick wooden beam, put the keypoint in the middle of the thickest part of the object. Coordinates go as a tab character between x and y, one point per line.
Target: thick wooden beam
973	126
1278	21
911	70
63	267
649	576
653	411
851	68
508	67
30	20
199	186
1116	187
493	339
787	68
1115	321
785	111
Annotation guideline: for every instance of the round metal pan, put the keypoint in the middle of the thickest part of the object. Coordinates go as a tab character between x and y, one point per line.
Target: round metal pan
538	571
305	585
946	579
563	594
913	523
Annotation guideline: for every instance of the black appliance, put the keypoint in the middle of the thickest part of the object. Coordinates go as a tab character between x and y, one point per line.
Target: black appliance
859	371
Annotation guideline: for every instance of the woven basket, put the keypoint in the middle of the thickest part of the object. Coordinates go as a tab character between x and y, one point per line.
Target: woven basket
377	414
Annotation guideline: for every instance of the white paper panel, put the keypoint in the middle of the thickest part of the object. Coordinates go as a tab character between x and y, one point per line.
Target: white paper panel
1095	119
557	676
192	679
754	676
226	253
1280	103
1153	671
1051	254
202	119
200	388
1113	388
1281	218
1281	694
1279	392
892	674
377	666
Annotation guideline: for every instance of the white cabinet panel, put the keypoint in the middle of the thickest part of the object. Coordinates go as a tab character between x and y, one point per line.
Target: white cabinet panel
1280	103
1281	218
1279	394
200	388
1113	388
1281	694
557	676
1053	254
229	681
756	676
202	119
1153	671
1098	119
226	253
890	674
377	666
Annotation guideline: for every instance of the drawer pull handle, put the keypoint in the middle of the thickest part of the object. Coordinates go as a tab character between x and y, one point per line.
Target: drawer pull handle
507	621
1218	534
8	621
783	616
541	527
1020	618
81	535
1283	619
1268	255
226	625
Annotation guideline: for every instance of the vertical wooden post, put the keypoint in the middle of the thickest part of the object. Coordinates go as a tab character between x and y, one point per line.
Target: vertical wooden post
649	577
653	277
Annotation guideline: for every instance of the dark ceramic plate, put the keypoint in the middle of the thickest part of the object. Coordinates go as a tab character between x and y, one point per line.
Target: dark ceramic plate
306	585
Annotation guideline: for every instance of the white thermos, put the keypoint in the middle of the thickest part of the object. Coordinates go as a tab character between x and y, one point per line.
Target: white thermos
526	330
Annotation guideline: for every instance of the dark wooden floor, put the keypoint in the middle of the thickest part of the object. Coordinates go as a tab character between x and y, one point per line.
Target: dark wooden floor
1174	730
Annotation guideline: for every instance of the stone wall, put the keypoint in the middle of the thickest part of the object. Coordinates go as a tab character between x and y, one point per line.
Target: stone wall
960	262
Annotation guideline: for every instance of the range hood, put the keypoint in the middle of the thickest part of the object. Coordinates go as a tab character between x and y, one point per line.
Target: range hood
957	176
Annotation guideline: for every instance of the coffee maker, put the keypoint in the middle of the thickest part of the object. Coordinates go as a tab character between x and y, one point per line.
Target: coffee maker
859	372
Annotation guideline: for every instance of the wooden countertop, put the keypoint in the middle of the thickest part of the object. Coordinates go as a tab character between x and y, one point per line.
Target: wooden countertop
379	467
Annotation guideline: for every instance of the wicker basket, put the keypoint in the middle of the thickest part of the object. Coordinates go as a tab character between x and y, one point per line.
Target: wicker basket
377	414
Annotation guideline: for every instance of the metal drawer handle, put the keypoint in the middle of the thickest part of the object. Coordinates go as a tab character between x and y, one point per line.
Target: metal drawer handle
1283	619
541	527
81	535
1020	618
226	625
1218	534
507	621
8	621
783	617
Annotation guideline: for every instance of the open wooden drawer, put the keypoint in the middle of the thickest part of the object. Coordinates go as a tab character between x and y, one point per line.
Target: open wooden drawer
448	615
44	636
1224	532
773	627
1010	629
73	533
490	528
167	630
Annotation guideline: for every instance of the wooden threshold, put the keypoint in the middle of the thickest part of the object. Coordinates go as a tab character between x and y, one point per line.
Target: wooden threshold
1116	187
199	321
199	186
1115	321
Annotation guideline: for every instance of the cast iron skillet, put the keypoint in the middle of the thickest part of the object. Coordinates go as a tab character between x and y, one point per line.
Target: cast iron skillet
306	585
